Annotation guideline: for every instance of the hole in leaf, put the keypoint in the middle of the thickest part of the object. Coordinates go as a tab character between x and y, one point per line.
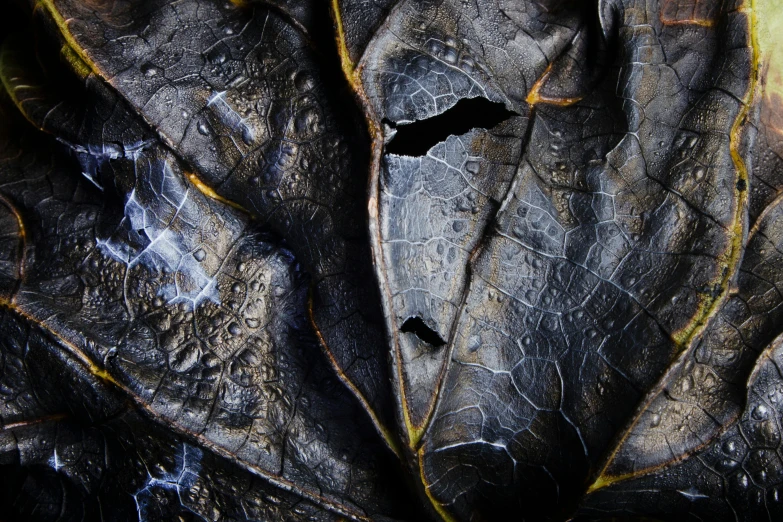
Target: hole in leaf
418	327
415	139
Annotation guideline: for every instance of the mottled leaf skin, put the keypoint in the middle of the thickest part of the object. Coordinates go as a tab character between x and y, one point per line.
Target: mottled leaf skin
738	474
169	297
391	259
72	449
594	302
237	91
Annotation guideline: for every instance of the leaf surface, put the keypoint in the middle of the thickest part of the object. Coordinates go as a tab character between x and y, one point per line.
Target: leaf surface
587	267
177	301
238	94
390	259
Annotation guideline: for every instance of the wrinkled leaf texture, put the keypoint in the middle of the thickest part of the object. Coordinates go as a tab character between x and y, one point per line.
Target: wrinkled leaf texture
391	260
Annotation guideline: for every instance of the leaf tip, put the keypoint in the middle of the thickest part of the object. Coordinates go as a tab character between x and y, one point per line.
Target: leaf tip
600	483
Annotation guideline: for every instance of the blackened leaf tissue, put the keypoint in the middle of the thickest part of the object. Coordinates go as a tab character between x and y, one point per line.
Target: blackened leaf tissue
396	260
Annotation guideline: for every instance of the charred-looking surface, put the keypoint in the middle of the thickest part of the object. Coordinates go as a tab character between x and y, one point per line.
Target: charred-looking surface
391	260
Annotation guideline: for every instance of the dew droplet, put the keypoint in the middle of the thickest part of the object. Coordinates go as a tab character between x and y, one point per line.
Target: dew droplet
303	81
149	70
760	412
216	56
202	128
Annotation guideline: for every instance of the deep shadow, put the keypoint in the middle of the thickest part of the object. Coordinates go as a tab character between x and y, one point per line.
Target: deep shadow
415	139
418	327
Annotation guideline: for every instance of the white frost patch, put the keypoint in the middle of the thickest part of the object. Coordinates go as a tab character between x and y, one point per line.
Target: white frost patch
93	156
55	462
181	479
230	117
692	493
160	247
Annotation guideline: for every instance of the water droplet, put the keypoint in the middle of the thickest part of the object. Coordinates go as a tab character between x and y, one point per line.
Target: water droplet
727	465
216	56
760	412
200	255
303	81
149	70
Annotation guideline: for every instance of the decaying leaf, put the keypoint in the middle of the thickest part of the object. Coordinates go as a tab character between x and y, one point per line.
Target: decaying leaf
391	260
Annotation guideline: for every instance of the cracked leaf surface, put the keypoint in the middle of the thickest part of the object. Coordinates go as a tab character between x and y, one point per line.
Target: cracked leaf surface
378	260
